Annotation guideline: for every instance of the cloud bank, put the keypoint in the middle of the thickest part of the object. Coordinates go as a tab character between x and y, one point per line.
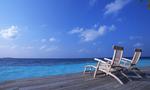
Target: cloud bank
91	34
115	6
9	33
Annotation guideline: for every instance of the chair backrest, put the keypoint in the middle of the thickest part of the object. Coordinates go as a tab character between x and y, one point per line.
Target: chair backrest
118	52
136	56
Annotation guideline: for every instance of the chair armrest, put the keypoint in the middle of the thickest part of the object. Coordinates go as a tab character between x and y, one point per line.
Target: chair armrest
125	59
99	60
108	60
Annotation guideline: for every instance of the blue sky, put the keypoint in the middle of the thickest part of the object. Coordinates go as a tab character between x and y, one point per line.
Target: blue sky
72	28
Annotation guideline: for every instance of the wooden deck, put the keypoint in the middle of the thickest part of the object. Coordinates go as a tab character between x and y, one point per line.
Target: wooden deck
77	81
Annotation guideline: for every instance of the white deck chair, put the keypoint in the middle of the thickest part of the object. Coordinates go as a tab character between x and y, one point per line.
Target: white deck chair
108	66
131	64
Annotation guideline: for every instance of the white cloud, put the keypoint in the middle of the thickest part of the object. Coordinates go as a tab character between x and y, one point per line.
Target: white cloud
48	48
9	33
93	33
89	35
76	30
138	44
102	29
42	47
52	39
115	6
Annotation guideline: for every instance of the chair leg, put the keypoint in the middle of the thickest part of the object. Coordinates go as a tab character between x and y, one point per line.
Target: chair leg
95	72
137	74
137	71
84	70
116	78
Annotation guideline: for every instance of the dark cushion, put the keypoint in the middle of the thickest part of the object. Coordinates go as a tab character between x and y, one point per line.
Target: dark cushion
117	47
138	50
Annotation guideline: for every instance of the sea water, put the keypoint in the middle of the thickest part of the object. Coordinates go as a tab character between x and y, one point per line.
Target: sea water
12	69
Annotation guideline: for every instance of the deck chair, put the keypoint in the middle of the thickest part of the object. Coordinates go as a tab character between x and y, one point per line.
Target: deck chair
131	64
109	66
